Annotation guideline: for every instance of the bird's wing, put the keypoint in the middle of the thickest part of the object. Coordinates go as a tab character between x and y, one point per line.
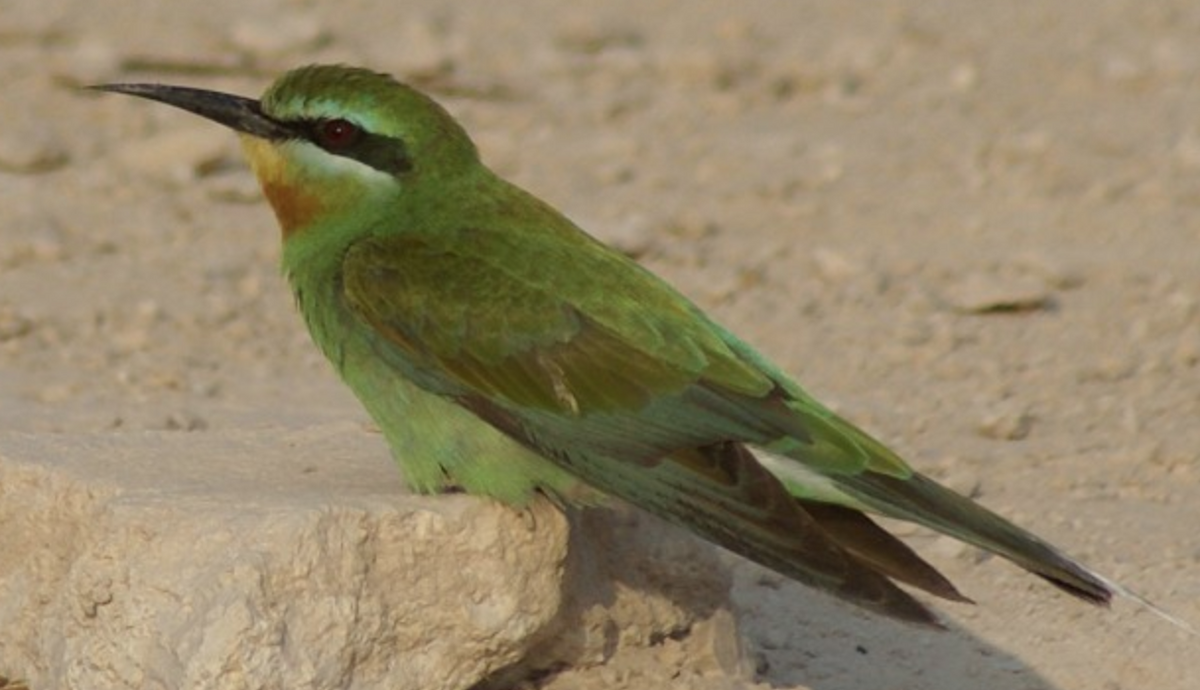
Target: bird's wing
543	325
564	332
559	327
586	357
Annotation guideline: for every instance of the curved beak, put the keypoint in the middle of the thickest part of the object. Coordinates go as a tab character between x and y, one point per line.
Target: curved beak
241	114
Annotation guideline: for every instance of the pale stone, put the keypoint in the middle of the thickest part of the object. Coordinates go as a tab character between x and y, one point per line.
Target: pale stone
295	558
282	35
983	293
1006	421
31	150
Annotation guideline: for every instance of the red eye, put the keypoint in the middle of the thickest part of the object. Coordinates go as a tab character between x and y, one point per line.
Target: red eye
337	134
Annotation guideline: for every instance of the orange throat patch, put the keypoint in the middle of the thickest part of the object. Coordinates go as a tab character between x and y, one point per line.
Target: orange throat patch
294	208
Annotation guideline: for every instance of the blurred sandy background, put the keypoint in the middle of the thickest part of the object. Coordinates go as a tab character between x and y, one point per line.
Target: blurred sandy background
973	227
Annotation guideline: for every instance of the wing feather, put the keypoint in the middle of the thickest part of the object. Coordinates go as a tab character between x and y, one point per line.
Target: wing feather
619	379
532	340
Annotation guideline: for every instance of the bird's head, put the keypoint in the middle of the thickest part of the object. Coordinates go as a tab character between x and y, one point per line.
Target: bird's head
327	141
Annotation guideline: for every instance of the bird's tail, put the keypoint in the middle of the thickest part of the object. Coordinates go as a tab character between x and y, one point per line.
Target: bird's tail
922	500
823	459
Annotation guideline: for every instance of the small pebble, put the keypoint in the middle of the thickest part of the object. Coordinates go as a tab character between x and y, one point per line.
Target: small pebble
719	646
586	37
286	34
429	48
964	77
1006	423
980	293
31	152
184	421
43	247
1053	272
88	62
631	235
949	548
833	266
1107	369
1187	151
180	155
238	186
1187	350
13	324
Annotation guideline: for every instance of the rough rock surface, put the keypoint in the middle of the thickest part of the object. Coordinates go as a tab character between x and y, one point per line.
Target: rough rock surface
232	560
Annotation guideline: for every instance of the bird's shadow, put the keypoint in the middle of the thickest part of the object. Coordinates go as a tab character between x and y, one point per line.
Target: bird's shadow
800	637
789	634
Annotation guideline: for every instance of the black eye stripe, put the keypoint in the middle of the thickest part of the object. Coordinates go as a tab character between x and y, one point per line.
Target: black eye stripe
384	153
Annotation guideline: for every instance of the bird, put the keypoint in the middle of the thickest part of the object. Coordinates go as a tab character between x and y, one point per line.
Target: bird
506	353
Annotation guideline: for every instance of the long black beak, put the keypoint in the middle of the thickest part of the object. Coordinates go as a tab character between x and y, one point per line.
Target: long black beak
241	114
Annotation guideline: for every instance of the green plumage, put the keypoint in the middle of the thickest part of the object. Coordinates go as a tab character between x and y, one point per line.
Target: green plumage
504	351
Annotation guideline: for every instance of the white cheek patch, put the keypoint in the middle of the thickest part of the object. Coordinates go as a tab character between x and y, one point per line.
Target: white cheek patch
318	163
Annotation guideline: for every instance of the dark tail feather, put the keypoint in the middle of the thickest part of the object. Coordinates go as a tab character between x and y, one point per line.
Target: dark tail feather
920	499
873	545
724	494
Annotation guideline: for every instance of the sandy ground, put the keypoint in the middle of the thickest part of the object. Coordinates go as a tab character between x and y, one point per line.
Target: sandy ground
972	227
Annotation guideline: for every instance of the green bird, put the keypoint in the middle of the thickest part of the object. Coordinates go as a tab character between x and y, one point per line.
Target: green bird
505	352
